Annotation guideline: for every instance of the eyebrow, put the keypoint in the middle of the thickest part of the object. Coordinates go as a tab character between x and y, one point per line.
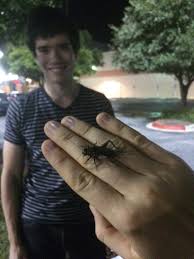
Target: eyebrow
48	46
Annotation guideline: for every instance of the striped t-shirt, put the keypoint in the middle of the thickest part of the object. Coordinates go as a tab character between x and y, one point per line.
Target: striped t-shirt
46	197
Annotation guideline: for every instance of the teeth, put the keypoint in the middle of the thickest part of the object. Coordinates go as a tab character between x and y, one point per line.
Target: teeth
56	69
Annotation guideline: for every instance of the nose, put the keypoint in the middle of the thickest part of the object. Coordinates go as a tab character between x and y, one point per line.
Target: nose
55	54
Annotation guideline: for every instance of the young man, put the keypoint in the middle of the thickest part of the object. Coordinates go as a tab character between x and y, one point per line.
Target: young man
44	217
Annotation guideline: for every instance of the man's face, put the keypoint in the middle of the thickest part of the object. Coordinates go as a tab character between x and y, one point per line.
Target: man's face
55	57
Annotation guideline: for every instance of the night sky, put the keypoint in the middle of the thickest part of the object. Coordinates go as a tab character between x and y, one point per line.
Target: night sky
96	15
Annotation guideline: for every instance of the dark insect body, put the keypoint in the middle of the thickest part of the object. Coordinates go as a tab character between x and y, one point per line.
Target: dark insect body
96	152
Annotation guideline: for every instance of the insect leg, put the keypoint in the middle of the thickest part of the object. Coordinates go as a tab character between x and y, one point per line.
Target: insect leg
109	142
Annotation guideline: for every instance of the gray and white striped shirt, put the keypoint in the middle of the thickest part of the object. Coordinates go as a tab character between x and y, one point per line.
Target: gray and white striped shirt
46	197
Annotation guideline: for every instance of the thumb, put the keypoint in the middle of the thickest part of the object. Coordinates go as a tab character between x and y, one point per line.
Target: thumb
111	237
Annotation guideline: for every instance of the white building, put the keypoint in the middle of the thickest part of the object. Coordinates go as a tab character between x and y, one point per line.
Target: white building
115	83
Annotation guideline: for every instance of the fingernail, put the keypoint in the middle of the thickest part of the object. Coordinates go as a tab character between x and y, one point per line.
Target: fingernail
69	121
49	146
105	117
53	124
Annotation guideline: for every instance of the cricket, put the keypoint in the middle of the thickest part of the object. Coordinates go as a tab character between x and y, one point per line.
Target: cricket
108	149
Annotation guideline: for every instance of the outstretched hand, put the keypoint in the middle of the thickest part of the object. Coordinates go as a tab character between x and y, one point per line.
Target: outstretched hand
142	199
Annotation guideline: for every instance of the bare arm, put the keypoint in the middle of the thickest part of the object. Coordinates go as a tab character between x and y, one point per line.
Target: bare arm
11	185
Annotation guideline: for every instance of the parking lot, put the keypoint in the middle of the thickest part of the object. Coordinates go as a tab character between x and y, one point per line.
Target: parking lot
181	144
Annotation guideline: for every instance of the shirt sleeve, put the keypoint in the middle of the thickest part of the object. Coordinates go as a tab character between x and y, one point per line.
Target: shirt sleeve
13	124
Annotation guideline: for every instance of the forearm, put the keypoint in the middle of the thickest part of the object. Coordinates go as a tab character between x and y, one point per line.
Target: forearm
11	197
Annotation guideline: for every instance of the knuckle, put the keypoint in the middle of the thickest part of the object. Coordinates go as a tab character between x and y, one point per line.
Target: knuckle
129	220
103	233
100	233
118	142
58	160
84	181
150	195
142	141
121	127
177	163
86	131
67	135
87	162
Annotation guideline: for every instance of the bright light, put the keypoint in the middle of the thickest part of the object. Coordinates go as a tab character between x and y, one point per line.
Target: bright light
94	68
111	88
29	80
11	77
7	77
1	54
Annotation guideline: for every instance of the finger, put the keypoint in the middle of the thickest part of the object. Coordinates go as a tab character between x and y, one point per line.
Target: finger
110	236
88	186
87	131
116	175
114	126
125	153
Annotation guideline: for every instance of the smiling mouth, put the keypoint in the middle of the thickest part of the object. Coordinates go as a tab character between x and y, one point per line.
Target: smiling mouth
58	68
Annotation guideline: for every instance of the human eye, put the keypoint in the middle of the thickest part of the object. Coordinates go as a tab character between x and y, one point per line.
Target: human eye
43	50
65	46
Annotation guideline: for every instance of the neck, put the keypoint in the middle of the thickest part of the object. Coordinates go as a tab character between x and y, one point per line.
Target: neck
63	94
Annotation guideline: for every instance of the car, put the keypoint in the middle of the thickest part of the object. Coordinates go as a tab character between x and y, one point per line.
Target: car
4	103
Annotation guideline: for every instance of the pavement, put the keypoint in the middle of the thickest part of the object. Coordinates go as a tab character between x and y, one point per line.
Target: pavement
181	144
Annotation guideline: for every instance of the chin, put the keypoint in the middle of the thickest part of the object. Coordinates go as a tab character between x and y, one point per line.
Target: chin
60	78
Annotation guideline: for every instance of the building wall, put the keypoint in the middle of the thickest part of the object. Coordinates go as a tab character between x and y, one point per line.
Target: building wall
117	84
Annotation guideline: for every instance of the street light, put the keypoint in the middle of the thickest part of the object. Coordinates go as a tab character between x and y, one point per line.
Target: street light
94	68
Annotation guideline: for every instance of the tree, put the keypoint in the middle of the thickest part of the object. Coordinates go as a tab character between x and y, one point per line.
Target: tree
88	55
158	36
13	17
19	60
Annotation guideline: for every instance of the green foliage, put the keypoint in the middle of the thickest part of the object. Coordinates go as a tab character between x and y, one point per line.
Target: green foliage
19	60
185	114
87	56
3	238
157	36
13	17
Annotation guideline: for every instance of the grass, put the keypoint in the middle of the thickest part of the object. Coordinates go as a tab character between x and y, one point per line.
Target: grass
3	238
185	114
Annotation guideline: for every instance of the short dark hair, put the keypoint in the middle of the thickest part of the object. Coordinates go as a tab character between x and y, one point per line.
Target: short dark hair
45	21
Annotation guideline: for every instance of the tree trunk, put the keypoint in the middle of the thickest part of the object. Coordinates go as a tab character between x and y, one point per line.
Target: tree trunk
184	88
